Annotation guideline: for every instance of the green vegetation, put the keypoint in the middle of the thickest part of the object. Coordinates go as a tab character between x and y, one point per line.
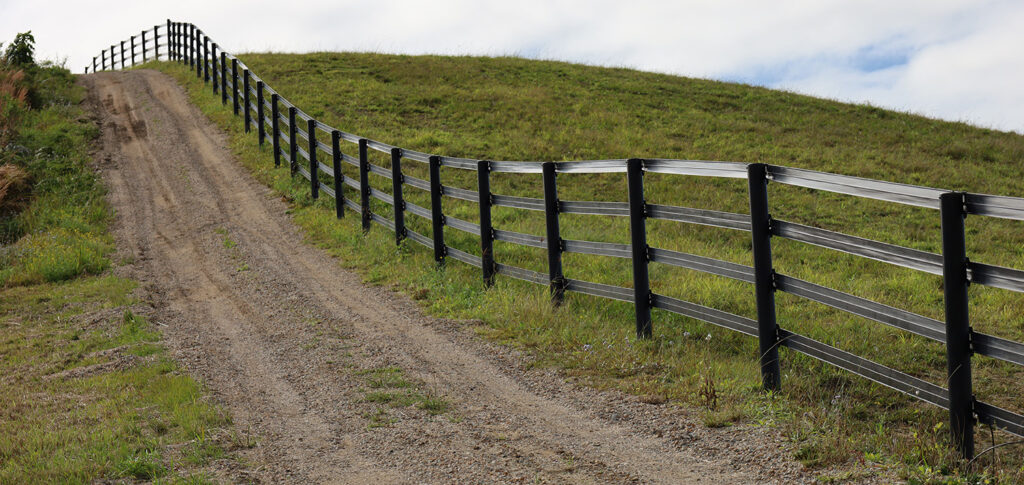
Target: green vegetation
515	109
89	392
53	218
388	385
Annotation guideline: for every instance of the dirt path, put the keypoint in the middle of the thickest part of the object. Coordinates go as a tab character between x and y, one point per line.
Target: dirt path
279	333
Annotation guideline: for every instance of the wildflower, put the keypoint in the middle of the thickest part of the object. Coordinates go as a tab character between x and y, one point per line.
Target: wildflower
708	338
586	347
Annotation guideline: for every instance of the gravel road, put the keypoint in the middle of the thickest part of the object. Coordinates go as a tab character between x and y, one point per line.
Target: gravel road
284	338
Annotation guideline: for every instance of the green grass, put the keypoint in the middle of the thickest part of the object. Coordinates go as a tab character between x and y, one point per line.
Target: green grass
63	233
389	386
515	109
89	391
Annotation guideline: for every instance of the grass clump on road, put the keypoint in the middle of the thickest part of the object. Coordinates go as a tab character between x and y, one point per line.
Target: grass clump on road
389	386
516	109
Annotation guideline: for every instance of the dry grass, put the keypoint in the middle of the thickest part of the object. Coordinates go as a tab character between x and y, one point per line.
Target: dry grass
15	188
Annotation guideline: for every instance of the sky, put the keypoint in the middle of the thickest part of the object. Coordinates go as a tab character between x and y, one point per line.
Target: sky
956	60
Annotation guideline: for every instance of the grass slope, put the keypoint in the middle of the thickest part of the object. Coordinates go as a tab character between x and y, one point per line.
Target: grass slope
515	109
89	393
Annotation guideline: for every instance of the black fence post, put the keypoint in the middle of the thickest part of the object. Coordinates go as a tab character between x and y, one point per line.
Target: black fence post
396	188
554	238
234	85
246	111
182	52
190	36
223	78
436	213
168	32
958	329
200	56
144	58
764	276
364	184
483	181
206	59
213	65
156	42
339	177
123	63
275	128
293	149
260	123
93	64
113	63
314	167
132	44
103	58
638	241
183	43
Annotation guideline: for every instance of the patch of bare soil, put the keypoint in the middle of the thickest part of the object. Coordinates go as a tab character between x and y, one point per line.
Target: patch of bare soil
283	338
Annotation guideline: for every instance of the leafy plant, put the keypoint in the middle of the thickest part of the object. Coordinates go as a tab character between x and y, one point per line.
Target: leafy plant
21	52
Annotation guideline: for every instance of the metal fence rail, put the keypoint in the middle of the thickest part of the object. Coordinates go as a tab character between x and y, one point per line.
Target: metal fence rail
261	106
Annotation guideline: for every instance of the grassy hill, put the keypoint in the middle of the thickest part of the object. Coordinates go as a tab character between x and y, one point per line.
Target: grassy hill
515	109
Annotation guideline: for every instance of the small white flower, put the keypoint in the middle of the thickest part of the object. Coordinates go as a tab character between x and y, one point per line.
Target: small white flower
708	338
686	334
586	347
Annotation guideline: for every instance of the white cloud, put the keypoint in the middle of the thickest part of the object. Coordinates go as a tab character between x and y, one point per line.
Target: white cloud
954	59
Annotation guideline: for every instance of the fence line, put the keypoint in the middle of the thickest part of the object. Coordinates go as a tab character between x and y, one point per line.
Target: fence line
186	44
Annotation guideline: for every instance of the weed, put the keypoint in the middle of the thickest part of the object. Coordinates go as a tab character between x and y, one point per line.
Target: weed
379	419
433	405
708	393
145	465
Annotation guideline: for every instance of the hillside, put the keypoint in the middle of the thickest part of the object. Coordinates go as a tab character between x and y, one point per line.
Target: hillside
515	109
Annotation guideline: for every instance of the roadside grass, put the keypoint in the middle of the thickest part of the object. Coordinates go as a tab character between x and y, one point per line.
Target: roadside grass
515	109
89	392
63	232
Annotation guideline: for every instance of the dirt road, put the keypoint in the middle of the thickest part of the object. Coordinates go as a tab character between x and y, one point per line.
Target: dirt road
285	339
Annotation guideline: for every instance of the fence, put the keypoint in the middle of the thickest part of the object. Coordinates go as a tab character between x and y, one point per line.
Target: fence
186	44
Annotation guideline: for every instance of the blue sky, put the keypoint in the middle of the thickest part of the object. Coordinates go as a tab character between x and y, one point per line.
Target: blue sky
950	59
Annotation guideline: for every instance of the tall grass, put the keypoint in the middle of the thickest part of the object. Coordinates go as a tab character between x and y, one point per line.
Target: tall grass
62	232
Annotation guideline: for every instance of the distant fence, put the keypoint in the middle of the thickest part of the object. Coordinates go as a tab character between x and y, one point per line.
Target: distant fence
261	105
